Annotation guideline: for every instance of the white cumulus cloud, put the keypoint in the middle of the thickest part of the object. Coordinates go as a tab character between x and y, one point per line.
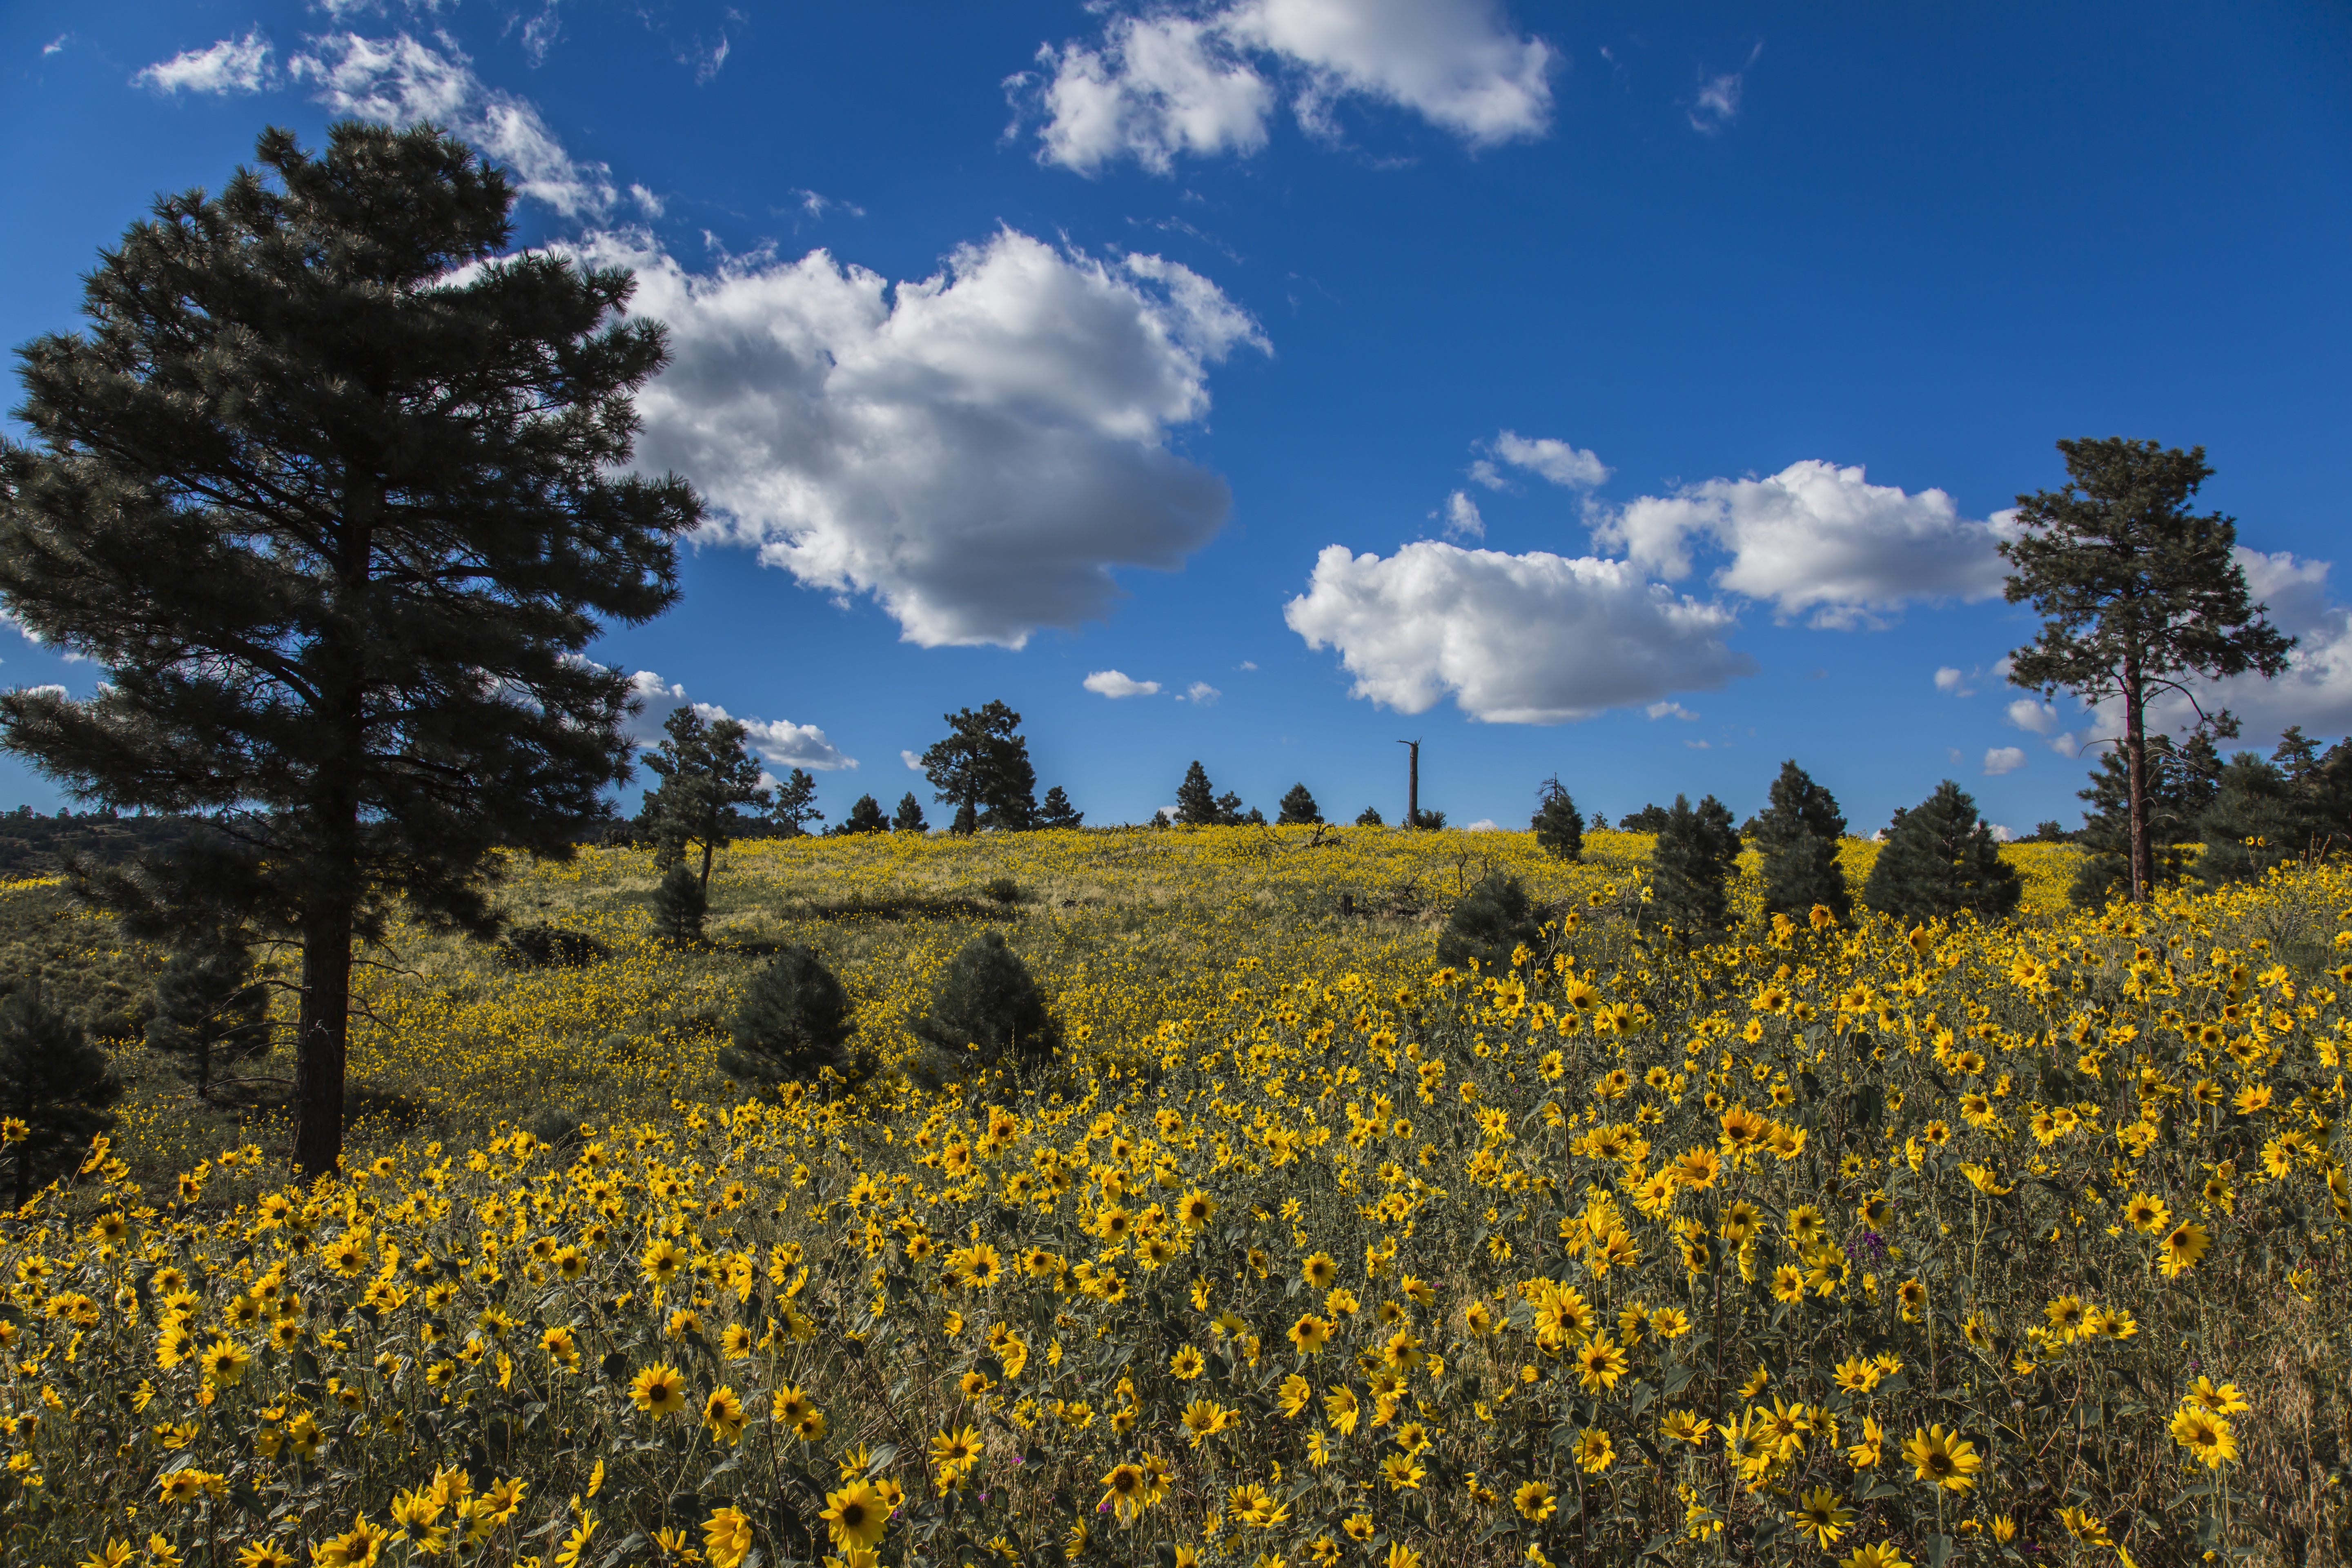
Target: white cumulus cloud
1669	711
1517	640
2004	758
780	741
1201	693
789	744
232	65
1155	87
1114	683
1952	681
2033	718
399	81
1815	537
1167	82
979	450
1549	459
914	760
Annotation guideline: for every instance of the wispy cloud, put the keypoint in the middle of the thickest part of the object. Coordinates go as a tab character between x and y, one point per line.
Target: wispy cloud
1717	103
232	65
399	81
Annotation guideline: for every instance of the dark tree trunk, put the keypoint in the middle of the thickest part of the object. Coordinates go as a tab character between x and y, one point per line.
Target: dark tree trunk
321	1038
2136	771
710	848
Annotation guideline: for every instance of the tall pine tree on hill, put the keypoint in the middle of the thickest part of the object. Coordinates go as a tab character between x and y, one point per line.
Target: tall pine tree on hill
1196	798
1939	860
1798	833
1558	828
982	767
1298	808
1056	811
908	817
795	803
2138	597
705	774
336	495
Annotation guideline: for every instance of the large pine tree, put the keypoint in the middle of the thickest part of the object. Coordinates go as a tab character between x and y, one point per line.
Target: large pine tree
2138	597
333	492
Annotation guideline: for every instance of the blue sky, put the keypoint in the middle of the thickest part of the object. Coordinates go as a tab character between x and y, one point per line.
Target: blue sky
1626	391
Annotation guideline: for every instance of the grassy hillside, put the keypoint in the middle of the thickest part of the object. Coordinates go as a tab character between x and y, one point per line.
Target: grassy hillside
2016	1244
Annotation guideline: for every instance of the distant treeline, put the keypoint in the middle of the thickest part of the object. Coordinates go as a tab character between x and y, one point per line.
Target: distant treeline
32	845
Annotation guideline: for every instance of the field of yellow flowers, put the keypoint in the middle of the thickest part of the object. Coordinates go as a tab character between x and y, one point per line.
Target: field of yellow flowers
1829	1244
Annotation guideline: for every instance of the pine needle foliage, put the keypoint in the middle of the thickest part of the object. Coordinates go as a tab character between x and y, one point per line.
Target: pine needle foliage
792	1023
908	817
1940	860
1298	809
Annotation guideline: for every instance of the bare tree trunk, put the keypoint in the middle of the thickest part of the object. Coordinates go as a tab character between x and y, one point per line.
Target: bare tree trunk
2136	771
1412	783
321	1038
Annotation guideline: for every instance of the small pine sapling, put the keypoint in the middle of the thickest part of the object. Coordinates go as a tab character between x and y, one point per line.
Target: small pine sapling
54	1087
1492	923
988	1012
210	1011
1939	860
679	906
791	1024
